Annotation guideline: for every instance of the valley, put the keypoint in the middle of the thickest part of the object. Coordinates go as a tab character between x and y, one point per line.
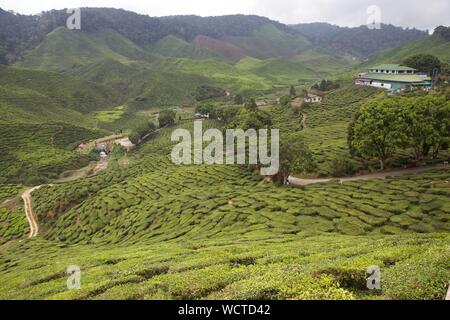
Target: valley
368	172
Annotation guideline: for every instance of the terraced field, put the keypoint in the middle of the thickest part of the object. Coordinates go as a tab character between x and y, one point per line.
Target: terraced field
326	129
154	230
413	266
13	224
31	153
9	190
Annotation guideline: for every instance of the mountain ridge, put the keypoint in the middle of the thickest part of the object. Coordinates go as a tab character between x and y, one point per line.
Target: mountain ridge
249	32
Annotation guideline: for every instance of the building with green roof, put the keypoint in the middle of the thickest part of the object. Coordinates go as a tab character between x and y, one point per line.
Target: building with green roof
393	77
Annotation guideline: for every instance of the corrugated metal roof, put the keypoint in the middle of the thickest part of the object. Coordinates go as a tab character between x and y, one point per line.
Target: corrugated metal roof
409	78
395	67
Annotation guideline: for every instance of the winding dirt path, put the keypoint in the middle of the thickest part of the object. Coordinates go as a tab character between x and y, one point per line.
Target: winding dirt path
31	217
371	176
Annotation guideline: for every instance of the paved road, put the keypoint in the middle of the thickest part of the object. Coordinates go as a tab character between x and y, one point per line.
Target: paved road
371	176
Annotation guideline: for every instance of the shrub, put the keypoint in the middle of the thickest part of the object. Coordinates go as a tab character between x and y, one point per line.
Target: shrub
342	166
422	277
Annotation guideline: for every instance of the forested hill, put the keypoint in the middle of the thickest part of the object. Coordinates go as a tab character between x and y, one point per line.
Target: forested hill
21	32
361	41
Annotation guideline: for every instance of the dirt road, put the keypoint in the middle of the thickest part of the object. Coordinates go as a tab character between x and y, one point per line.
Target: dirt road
371	176
31	217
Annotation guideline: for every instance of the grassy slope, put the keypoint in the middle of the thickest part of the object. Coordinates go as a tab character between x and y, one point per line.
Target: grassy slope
171	46
64	50
31	153
309	65
270	42
42	114
327	123
145	85
37	96
169	71
192	232
434	45
218	71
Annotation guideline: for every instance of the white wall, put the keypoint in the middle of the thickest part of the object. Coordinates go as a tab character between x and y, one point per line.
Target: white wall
381	85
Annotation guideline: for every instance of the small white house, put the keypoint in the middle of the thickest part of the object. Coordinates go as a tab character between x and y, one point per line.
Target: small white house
126	144
312	98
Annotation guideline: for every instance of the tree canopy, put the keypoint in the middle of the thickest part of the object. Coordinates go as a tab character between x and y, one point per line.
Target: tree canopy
426	63
326	85
420	124
166	118
295	157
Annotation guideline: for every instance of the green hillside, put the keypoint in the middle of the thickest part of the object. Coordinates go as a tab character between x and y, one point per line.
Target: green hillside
194	232
33	153
142	227
220	72
434	45
270	41
64	50
172	46
38	96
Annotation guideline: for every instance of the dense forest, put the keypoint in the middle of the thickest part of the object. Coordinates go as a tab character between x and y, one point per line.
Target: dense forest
20	32
360	42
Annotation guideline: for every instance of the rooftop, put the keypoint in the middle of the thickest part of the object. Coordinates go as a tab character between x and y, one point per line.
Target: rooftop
395	67
410	78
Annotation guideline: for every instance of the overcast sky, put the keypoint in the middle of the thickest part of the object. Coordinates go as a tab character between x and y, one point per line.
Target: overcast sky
422	14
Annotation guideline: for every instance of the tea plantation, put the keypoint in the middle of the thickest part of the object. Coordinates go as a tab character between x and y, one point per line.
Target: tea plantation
32	153
13	223
155	230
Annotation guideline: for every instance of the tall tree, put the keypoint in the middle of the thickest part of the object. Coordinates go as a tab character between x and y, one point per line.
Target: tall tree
426	63
166	118
285	101
292	91
377	130
251	104
238	99
422	126
295	157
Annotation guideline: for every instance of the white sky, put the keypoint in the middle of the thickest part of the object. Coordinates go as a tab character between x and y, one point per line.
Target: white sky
422	14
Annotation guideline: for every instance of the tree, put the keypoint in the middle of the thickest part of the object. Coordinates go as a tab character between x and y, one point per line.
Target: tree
378	129
295	157
248	119
140	131
134	137
304	93
206	92
251	104
292	92
285	101
207	109
166	118
238	99
442	31
227	113
441	123
426	63
422	124
326	85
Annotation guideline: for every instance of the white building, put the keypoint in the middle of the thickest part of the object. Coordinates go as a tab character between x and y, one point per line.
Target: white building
312	98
